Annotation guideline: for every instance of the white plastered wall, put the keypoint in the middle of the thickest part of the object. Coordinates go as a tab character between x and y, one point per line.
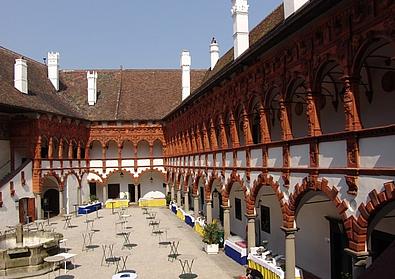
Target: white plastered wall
237	226
70	193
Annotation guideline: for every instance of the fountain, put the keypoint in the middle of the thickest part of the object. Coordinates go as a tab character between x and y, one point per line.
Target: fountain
23	252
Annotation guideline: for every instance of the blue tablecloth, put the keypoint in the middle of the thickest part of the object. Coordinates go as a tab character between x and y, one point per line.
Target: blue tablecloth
189	221
174	209
89	208
235	255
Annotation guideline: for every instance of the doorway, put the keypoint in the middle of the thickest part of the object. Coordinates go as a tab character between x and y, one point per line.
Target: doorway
51	201
132	192
27	210
113	191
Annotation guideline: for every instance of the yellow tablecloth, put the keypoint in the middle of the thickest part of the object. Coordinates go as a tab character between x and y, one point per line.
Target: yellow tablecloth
152	202
180	214
269	274
199	229
117	203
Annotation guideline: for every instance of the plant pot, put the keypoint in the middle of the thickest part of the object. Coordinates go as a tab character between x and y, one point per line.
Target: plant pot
211	249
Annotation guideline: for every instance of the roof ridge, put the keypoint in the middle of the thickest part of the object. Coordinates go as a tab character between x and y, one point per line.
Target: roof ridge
119	94
24	56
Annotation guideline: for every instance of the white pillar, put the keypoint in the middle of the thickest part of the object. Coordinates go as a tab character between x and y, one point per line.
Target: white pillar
178	197
290	260
226	221
92	87
240	27
196	206
172	194
214	53
136	193
105	193
186	201
251	231
20	75
186	74
61	202
53	69
38	205
209	212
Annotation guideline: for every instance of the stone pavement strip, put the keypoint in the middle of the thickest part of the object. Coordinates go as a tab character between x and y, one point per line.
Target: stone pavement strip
148	258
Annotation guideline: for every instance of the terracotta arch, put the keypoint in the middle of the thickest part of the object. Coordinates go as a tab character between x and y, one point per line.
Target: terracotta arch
94	172
53	174
209	185
264	180
178	181
186	180
72	172
357	228
199	175
305	187
234	177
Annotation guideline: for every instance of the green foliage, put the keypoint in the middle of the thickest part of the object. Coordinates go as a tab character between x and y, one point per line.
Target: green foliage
168	199
93	198
212	234
346	275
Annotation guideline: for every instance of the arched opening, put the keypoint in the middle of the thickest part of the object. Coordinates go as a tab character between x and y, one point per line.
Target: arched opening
143	149
216	201
74	149
218	132
329	105
239	125
321	240
112	150
95	152
268	221
44	147
381	231
157	148
152	181
377	83
296	106
50	200
118	185
55	148
70	192
272	108
65	151
127	154
255	121
238	220
227	131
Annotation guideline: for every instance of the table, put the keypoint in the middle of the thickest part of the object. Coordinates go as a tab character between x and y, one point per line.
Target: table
268	269
116	203
236	252
89	208
174	243
89	221
67	256
67	221
54	260
152	202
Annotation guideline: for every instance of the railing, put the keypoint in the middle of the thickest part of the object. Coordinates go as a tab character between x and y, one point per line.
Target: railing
11	175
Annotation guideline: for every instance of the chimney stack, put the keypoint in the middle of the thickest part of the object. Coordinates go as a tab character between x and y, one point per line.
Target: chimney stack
186	74
92	87
214	53
291	6
240	27
20	75
53	69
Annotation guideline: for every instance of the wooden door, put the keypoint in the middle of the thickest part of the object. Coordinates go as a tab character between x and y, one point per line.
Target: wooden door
31	209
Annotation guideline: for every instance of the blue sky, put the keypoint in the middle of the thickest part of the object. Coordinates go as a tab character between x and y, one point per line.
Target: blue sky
131	33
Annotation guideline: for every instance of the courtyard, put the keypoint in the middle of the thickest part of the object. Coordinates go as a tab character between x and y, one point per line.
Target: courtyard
146	256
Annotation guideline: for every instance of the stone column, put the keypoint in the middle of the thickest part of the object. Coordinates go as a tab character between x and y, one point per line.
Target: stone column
251	231
136	193
167	188
290	260
178	197
186	201
196	206
61	205
226	221
38	205
79	195
105	193
209	212
172	194
359	261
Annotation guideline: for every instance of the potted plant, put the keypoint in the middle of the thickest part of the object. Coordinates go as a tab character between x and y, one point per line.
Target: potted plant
211	237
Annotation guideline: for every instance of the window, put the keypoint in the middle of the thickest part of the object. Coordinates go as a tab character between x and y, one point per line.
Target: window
92	188
265	218
238	208
113	191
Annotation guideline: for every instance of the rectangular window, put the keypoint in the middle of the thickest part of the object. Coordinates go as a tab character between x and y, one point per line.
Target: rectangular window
238	208
113	191
265	218
92	188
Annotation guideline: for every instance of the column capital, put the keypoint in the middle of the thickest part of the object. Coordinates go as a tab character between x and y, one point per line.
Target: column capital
250	216
225	207
289	231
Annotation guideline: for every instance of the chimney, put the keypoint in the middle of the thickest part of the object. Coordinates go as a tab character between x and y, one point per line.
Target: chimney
186	74
240	27
53	69
214	52
291	6
92	87
20	75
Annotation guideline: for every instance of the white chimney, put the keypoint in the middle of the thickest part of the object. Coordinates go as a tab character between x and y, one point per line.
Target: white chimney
291	6
186	74
92	87
20	75
240	27
53	69
214	52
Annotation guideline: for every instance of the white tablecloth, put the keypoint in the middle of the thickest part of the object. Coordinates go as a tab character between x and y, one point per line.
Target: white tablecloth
234	246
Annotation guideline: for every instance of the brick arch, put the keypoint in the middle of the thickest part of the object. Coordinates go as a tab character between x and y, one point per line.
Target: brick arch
198	176
234	177
264	180
137	179
304	188
209	186
53	174
72	172
178	182
118	171
94	172
357	228
187	175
